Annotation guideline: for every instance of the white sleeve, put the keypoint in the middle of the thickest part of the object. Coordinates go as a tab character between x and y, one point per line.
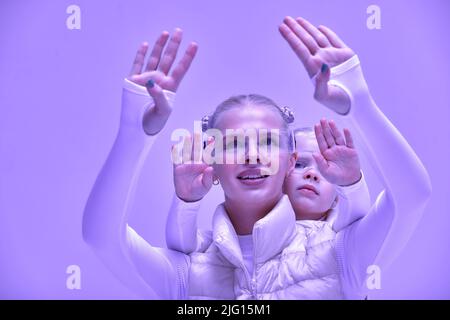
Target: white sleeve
379	236
148	271
182	233
181	225
353	204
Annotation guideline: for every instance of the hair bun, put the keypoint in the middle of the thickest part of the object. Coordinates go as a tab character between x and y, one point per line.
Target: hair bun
205	123
288	115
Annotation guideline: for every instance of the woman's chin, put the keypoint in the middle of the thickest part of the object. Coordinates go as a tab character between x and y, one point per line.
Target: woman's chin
259	196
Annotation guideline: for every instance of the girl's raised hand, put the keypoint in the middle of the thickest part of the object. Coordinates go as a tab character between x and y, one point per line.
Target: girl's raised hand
319	49
159	73
338	159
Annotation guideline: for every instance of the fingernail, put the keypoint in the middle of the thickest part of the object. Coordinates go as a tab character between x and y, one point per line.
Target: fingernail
150	84
324	68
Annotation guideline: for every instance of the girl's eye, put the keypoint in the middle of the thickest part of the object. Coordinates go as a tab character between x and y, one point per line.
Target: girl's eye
300	165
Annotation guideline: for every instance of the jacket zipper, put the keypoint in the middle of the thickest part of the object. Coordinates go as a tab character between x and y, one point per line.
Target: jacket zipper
253	280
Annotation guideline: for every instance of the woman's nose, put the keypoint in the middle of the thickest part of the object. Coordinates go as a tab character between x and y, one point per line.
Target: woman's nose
253	159
311	175
252	154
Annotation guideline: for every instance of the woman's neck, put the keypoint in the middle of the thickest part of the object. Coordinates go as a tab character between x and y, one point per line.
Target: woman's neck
244	215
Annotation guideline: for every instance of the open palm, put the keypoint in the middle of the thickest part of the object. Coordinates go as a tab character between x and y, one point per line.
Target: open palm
319	49
193	178
338	160
156	75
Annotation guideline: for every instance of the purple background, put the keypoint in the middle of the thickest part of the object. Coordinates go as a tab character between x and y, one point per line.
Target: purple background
60	95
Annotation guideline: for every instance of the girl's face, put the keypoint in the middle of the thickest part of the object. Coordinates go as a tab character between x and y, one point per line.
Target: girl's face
254	181
311	195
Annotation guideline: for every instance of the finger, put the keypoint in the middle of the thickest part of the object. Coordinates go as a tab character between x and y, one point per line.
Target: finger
197	148
327	133
296	44
320	138
209	154
322	164
176	155
155	56
138	62
304	36
338	137
207	178
349	138
321	91
298	47
156	92
170	53
187	149
318	36
332	37
184	64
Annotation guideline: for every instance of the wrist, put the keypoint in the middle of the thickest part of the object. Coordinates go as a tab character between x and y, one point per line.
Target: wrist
349	77
352	181
189	199
136	102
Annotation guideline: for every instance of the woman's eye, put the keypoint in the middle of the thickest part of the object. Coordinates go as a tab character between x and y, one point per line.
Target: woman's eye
268	142
231	145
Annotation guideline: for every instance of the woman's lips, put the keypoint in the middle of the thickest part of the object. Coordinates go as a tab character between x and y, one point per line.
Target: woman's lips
252	177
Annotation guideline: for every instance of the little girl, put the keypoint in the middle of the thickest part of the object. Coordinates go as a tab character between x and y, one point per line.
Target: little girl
352	198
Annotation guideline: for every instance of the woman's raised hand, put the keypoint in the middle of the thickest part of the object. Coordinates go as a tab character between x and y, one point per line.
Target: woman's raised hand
157	75
319	49
193	178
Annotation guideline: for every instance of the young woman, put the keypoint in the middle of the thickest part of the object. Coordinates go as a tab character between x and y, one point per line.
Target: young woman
337	269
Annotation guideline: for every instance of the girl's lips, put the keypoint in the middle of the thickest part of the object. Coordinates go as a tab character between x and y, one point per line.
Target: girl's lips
308	189
307	192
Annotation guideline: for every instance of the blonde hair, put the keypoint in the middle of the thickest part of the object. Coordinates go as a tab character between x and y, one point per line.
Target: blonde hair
244	99
307	131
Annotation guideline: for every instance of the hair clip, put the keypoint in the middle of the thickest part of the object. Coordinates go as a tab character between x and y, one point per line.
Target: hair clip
205	123
288	114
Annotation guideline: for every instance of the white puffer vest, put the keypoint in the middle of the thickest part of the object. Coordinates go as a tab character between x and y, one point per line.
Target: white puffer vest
293	260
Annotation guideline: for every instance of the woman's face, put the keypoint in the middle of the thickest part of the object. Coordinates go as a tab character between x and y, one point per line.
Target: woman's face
253	177
311	195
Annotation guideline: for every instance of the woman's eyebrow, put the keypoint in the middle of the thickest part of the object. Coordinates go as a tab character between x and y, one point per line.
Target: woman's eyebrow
229	137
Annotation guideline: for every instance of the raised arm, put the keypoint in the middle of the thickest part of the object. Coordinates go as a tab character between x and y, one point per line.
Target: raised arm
338	162
146	270
193	179
383	232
